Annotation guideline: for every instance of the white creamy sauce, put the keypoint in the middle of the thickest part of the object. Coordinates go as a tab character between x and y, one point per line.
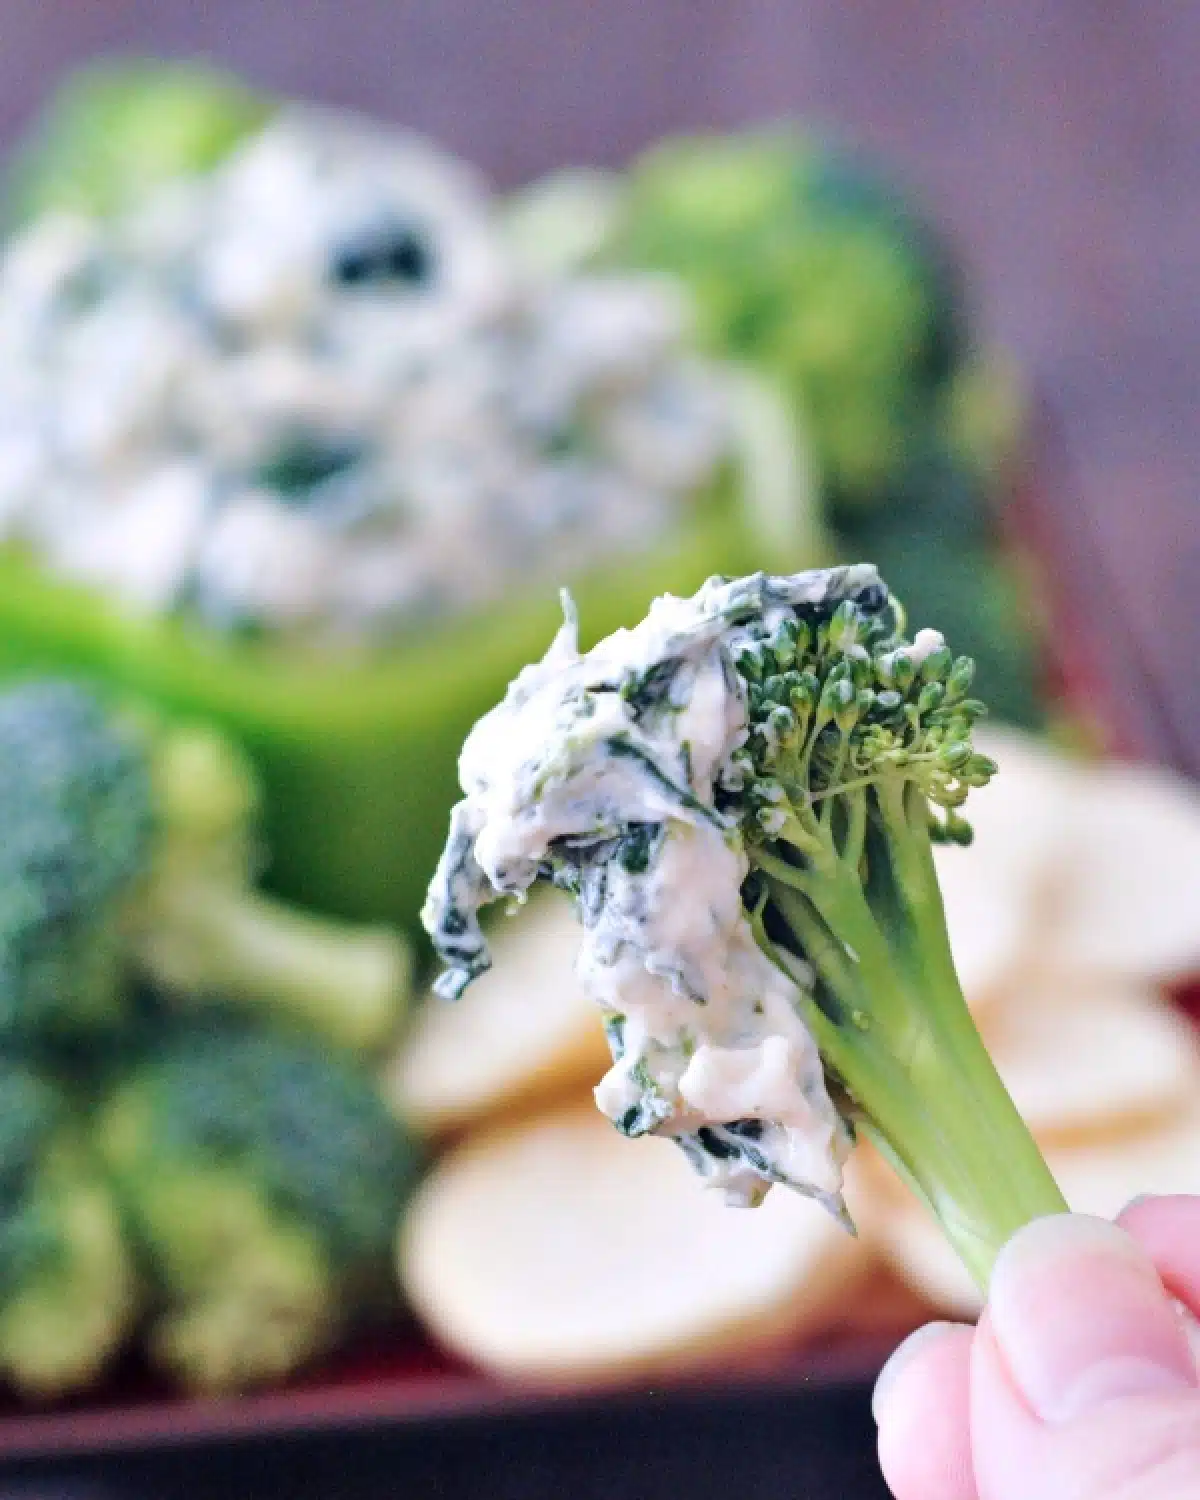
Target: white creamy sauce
317	390
924	644
602	771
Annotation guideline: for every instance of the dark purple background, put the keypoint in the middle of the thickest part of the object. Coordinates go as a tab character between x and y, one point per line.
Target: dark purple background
1058	139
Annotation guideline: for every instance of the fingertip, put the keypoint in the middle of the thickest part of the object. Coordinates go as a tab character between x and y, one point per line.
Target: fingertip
1146	1446
1079	1312
910	1351
922	1405
1160	1207
1168	1230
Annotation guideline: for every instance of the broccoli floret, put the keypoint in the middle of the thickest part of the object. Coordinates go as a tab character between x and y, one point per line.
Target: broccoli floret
67	1284
129	845
115	131
75	810
741	793
198	927
265	1180
804	261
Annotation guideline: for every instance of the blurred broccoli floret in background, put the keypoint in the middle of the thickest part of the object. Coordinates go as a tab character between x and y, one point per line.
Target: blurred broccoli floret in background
809	263
259	1174
67	1286
75	810
114	131
129	849
199	928
263	1180
801	259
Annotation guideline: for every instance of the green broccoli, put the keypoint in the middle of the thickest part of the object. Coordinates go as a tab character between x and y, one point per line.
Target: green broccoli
806	264
743	794
67	1283
129	846
264	1180
116	130
803	261
75	810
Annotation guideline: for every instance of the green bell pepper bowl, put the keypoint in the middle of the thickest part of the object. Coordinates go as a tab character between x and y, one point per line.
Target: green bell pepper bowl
358	757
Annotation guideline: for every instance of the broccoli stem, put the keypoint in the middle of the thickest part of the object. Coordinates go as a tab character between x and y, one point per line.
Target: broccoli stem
855	890
217	938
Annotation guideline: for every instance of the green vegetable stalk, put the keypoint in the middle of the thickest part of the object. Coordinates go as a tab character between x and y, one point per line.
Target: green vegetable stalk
859	758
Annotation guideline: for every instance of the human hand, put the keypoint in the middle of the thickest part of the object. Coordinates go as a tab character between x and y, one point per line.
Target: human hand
1081	1381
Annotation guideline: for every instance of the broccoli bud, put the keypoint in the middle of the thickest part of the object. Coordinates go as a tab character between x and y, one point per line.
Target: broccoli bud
67	1285
264	1180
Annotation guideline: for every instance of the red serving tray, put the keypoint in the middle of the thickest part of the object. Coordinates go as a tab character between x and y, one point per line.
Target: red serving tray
397	1374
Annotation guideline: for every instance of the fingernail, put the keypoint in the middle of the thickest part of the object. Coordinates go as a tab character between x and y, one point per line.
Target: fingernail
1191	1331
899	1359
1081	1317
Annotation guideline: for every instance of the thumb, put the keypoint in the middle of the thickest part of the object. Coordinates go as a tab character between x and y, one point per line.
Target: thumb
1083	1384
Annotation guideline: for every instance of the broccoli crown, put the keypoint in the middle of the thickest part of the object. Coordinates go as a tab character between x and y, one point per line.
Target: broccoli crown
66	1278
264	1180
308	1128
838	712
807	262
130	847
803	259
77	813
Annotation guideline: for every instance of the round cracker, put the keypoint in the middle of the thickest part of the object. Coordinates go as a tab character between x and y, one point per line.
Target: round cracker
558	1252
1077	1052
523	1032
992	890
1103	1174
1130	899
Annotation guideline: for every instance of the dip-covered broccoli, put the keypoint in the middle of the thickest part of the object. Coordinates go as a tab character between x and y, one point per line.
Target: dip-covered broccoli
742	794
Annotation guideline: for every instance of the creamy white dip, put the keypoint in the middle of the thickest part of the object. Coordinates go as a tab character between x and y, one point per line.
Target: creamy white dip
318	391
